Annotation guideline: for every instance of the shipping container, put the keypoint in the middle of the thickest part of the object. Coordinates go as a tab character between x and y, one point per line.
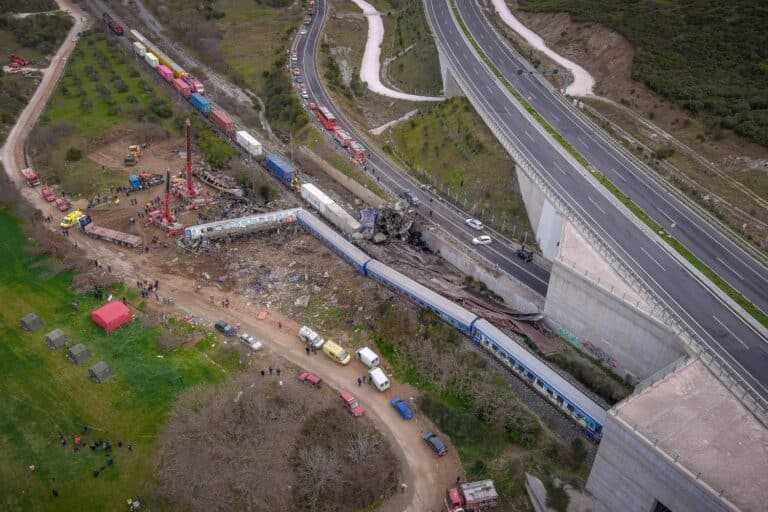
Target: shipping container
165	72
182	86
280	168
162	58
151	60
249	144
194	84
112	24
201	103
223	121
329	209
342	137
140	49
357	151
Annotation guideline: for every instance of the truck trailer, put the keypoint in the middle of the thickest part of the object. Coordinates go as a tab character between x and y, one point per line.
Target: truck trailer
280	168
224	122
249	143
100	233
201	103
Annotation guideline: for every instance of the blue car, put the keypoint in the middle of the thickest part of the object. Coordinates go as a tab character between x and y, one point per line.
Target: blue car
402	408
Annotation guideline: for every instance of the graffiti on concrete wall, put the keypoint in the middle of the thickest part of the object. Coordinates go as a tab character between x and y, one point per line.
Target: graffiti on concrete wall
589	347
570	337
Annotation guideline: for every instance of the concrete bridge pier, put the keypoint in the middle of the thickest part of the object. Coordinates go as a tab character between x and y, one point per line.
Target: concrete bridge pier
450	88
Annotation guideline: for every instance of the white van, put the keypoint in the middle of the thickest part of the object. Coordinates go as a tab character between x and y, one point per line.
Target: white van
378	379
310	337
368	357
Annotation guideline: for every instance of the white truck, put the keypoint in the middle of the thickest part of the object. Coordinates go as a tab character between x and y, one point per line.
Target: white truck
379	379
367	356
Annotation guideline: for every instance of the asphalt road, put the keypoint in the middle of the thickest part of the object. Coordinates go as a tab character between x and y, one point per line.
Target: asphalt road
705	240
719	327
446	215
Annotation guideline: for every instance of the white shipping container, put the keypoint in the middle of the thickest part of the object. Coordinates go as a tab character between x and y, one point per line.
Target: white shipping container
249	143
140	49
329	209
150	59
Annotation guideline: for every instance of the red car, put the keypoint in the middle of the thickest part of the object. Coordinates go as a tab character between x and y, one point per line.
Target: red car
310	377
47	194
61	204
351	404
312	105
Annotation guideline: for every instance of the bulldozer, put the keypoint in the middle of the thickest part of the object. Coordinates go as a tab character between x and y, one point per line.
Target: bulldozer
134	150
132	158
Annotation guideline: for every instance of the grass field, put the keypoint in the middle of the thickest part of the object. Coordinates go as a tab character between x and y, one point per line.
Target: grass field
418	70
44	394
101	96
451	143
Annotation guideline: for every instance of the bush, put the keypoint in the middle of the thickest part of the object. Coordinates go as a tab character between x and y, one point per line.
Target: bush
74	154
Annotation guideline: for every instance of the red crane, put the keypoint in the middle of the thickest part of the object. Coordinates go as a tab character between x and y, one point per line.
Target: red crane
191	192
166	213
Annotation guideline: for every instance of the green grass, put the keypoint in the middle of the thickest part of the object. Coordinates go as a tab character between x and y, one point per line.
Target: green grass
44	394
450	142
742	301
709	57
417	71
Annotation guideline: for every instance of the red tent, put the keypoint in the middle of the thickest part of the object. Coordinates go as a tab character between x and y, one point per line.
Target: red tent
112	315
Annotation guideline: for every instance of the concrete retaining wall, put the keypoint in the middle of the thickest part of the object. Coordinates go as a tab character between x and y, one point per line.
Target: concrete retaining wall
339	177
630	475
515	295
581	310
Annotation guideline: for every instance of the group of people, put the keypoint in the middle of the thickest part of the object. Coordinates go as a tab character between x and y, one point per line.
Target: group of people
146	287
271	370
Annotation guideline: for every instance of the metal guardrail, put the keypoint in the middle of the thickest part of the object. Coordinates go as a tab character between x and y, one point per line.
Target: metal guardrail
695	344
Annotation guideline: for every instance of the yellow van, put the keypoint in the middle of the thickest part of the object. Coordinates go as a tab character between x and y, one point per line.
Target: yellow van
336	353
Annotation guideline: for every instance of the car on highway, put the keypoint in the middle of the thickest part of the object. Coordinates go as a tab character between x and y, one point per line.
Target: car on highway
224	328
481	240
351	404
305	95
525	255
307	20
296	71
299	80
474	224
310	378
249	340
303	31
410	197
402	408
294	57
437	444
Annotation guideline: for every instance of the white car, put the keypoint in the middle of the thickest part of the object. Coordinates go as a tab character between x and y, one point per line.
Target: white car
305	95
294	57
481	240
250	341
303	31
474	223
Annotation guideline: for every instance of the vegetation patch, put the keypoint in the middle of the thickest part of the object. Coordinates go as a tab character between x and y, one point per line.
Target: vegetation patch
448	145
27	6
101	97
46	396
216	150
282	107
416	67
43	33
708	57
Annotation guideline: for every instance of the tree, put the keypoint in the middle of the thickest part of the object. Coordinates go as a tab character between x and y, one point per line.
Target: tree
73	154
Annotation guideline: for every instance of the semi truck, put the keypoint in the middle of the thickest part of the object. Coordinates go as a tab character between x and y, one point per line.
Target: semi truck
100	233
144	180
471	497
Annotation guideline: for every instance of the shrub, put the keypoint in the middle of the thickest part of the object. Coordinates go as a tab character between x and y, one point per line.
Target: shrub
74	154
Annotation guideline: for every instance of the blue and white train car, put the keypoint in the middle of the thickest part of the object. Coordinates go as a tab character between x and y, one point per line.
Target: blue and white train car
340	246
542	378
449	311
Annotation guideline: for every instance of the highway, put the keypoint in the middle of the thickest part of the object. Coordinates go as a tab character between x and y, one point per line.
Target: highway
446	215
698	234
724	331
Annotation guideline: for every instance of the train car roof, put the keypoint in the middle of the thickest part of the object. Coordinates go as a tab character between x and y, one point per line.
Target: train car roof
564	387
435	299
355	254
240	222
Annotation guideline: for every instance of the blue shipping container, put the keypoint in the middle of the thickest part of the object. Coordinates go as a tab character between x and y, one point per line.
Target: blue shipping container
280	168
201	103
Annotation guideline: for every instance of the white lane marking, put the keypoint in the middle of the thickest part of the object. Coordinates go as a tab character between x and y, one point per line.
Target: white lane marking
553	116
559	168
729	268
621	176
581	140
529	136
653	259
665	214
729	332
596	205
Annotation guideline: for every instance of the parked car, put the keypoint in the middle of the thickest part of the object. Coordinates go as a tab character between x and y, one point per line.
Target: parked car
299	80
437	444
525	255
311	378
305	95
61	204
410	197
351	404
296	71
481	240
474	224
402	408
294	57
224	328
310	337
47	194
250	341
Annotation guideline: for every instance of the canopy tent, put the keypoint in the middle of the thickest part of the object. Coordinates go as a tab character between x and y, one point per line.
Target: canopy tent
31	322
112	315
100	372
78	354
56	339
